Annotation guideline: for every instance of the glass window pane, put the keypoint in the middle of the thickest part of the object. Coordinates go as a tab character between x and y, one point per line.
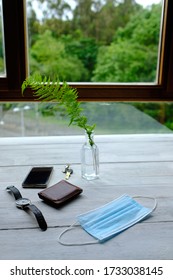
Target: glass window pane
95	40
38	119
2	52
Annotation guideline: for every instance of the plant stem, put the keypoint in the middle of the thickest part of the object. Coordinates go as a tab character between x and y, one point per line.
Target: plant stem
64	95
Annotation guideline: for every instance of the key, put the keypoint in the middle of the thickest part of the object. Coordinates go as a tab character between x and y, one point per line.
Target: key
67	166
69	171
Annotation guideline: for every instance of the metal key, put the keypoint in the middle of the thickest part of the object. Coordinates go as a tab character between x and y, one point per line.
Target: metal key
69	171
67	166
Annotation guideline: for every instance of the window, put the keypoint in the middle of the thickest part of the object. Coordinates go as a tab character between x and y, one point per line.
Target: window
2	54
15	51
17	66
113	41
111	118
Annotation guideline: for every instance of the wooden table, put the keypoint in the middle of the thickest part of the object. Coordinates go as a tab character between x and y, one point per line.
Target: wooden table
132	164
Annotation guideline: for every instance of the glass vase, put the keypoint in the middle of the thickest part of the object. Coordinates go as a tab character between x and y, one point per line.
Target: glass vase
89	159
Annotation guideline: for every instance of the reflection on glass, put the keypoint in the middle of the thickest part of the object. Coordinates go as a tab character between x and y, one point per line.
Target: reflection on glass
40	119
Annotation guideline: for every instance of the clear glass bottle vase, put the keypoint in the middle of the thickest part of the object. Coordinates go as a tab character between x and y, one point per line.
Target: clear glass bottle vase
89	159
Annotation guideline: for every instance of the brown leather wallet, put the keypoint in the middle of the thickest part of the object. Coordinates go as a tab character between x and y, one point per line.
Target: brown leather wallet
59	193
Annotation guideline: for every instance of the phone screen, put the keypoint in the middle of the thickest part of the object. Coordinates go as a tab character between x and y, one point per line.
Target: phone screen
38	177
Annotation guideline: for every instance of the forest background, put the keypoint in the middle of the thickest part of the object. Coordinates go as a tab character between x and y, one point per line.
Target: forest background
97	41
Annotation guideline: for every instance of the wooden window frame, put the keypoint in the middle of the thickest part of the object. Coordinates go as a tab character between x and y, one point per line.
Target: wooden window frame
15	29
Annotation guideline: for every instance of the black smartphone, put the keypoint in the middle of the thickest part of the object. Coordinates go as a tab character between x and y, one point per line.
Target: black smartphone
37	177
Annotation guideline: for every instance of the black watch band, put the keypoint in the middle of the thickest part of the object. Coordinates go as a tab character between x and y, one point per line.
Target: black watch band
15	192
39	216
25	203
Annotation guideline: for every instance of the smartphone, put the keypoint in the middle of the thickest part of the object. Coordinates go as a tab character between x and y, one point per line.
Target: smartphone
37	177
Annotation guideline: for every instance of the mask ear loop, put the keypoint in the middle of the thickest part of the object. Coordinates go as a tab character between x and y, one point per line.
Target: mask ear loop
73	244
148	197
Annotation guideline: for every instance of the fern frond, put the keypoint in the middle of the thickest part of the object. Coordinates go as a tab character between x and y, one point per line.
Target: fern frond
46	90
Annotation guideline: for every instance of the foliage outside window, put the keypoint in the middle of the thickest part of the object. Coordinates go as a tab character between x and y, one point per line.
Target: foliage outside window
16	56
95	41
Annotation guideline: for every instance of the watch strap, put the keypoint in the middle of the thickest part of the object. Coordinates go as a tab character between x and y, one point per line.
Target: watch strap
15	192
39	216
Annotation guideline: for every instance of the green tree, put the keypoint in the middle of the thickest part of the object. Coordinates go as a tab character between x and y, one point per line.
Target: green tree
125	62
48	57
85	49
132	57
83	17
111	16
55	8
99	19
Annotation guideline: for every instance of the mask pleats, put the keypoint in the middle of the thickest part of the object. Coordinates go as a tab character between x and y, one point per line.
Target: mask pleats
114	217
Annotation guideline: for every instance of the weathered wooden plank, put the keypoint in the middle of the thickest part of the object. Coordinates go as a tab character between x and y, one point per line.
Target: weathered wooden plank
163	137
93	196
111	150
116	174
142	241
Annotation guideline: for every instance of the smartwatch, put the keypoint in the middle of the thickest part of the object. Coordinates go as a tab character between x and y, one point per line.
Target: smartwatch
25	204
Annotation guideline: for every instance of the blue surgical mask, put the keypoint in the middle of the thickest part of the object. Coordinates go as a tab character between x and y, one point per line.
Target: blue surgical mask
112	218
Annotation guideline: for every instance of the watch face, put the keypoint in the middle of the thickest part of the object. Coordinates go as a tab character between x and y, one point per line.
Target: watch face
22	202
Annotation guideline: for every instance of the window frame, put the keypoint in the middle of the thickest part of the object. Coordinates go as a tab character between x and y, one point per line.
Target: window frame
15	50
15	30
